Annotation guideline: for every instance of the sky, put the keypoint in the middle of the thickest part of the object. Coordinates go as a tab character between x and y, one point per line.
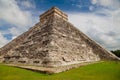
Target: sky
99	19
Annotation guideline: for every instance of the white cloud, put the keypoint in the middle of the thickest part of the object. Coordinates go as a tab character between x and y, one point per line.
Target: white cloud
91	8
102	24
3	40
10	12
79	6
112	4
14	31
17	18
27	4
116	19
94	1
103	29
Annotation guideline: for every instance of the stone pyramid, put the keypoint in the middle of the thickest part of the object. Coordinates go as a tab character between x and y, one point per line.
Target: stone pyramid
53	42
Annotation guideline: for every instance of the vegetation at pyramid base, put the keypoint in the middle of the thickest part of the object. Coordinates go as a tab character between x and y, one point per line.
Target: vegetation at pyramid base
98	71
116	52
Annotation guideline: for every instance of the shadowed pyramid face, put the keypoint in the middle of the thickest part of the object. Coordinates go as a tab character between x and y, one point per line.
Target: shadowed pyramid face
53	42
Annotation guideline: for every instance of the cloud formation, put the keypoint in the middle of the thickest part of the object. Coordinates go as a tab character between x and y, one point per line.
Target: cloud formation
13	15
3	40
103	24
111	4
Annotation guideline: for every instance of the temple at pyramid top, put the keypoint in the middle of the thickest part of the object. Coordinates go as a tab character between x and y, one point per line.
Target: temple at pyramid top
54	11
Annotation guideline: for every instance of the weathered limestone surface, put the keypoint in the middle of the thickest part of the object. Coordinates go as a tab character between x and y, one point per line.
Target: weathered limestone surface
53	42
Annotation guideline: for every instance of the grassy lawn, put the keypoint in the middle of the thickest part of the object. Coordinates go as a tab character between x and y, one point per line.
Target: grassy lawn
97	71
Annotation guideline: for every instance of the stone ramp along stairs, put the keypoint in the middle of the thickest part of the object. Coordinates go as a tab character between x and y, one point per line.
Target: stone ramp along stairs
53	42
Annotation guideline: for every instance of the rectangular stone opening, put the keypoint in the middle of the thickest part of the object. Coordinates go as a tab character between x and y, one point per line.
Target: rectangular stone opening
36	62
22	61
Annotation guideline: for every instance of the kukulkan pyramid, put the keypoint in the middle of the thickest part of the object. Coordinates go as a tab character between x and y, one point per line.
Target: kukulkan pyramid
53	42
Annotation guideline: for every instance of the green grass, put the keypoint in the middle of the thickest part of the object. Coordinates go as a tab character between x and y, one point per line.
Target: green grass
97	71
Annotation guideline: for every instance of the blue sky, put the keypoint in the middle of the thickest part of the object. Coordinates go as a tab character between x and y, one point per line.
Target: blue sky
65	5
99	19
